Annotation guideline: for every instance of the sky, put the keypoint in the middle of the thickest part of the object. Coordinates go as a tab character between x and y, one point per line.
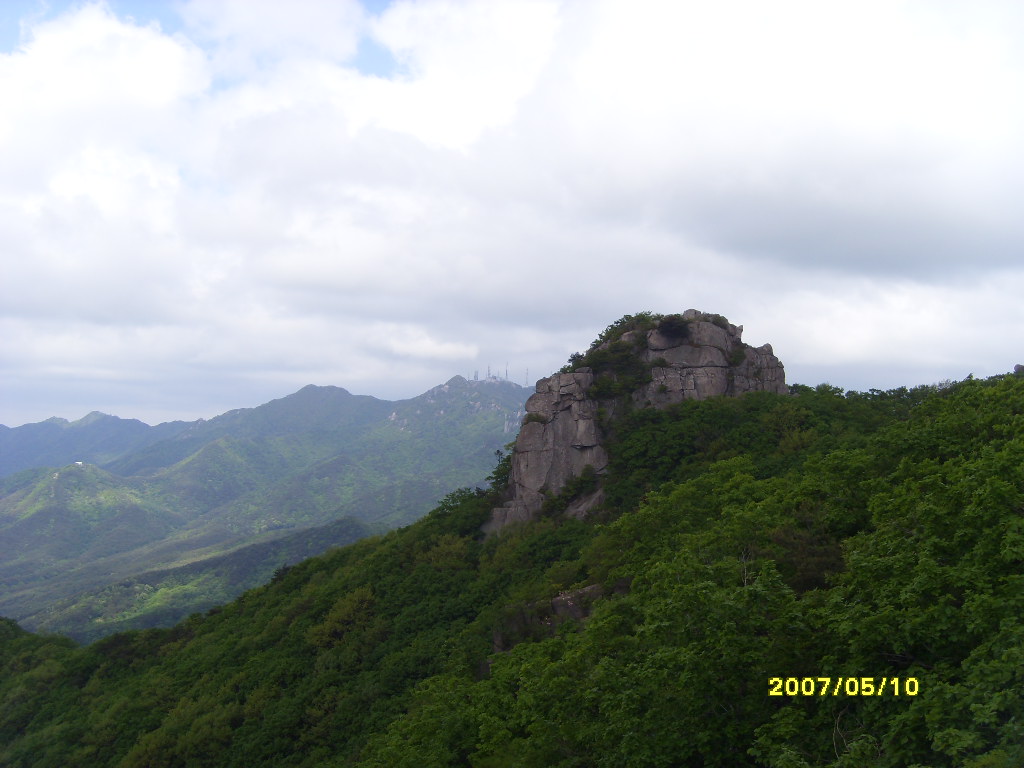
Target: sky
208	204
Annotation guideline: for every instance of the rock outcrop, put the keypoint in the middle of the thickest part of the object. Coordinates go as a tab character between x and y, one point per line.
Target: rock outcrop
692	356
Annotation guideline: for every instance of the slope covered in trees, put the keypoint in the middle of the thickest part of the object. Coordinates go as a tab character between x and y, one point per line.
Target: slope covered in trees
164	527
875	540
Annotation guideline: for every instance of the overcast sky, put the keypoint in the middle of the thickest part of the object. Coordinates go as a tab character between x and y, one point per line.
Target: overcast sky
205	205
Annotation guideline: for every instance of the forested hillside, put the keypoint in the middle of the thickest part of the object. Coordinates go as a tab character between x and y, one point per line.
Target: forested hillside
167	525
864	549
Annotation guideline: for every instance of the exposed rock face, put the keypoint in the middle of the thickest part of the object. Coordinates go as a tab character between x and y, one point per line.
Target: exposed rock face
559	438
710	361
562	434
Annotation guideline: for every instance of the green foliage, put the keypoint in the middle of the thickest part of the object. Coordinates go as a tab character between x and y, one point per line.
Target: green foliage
608	353
614	360
640	322
498	479
826	533
674	326
718	320
618	370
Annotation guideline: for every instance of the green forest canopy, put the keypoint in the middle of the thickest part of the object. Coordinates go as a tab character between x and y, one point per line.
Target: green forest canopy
822	534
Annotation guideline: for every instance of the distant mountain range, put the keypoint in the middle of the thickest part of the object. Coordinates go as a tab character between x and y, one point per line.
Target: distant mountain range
97	438
108	523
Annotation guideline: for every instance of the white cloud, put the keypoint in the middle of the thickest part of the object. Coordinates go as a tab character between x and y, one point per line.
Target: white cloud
87	77
407	340
468	64
235	208
247	35
730	120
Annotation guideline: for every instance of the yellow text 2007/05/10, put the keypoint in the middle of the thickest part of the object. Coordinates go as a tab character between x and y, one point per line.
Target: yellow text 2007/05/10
842	686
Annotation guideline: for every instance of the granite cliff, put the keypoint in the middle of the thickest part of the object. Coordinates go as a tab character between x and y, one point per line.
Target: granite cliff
643	361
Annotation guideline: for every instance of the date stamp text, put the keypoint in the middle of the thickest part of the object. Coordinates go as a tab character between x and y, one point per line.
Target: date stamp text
842	686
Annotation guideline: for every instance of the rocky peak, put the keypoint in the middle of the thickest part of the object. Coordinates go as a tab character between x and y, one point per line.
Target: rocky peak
643	361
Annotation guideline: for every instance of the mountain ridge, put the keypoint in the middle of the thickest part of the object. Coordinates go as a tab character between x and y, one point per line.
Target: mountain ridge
818	579
16	454
246	477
